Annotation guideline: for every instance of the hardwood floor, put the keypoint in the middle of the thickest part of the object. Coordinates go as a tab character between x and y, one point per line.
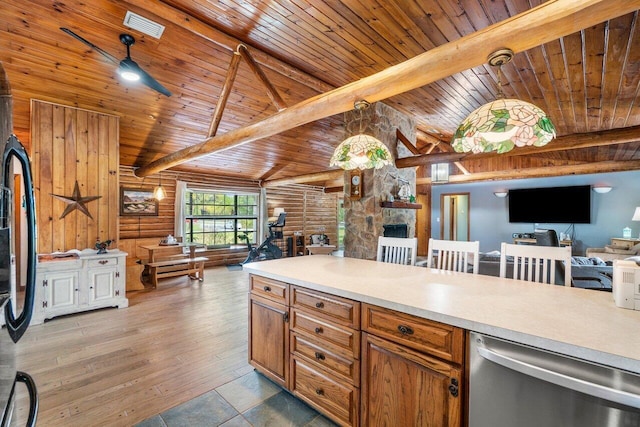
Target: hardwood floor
117	367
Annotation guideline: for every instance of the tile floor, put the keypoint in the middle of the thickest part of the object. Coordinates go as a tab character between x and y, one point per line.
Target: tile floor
251	400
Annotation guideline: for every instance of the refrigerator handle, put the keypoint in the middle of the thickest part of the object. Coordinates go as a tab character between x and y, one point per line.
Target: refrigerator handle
18	326
25	378
577	384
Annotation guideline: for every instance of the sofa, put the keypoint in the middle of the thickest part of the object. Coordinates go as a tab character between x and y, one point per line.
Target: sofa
587	273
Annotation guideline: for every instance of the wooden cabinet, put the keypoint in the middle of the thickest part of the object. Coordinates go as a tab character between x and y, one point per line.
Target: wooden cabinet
356	363
299	245
412	370
86	282
325	353
269	328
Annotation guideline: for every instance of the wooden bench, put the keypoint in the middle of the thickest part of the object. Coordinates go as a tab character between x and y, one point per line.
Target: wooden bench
193	267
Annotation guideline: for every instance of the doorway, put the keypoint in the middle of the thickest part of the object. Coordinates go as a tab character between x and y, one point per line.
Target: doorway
454	214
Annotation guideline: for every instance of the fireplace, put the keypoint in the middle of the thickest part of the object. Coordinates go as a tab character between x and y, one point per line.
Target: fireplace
395	230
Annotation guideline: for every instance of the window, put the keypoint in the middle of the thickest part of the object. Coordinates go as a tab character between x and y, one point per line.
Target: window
219	219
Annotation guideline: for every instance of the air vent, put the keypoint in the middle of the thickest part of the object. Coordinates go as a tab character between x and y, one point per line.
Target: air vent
142	24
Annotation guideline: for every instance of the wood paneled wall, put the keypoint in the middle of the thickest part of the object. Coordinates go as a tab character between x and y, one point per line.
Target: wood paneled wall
71	145
308	209
141	227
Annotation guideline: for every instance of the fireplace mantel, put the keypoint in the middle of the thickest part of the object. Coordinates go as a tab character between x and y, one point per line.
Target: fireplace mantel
400	205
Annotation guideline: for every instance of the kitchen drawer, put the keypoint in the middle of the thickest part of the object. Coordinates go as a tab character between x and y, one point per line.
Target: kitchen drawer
337	309
343	366
102	262
437	339
273	290
332	335
336	399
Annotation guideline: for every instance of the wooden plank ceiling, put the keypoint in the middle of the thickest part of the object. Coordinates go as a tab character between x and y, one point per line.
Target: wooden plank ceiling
588	81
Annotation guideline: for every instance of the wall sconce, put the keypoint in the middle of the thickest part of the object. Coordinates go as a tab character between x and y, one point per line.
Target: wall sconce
439	173
601	189
501	194
158	192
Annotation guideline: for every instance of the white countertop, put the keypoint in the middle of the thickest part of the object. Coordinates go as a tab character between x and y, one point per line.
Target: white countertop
577	322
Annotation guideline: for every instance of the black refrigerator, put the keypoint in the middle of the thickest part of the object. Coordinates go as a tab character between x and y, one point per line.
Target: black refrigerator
16	316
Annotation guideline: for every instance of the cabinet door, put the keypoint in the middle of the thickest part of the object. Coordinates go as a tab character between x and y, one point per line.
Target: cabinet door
60	291
101	285
402	387
269	338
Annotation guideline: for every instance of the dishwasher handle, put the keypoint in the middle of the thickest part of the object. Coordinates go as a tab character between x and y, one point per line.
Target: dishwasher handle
566	381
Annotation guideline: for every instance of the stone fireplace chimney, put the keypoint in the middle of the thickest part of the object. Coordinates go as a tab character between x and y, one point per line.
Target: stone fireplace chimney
365	218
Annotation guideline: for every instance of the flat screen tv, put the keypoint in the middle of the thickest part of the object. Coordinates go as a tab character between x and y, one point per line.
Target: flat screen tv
571	205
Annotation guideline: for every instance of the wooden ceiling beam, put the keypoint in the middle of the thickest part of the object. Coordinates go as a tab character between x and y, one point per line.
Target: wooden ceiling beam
224	96
305	179
542	172
272	92
549	21
405	141
563	143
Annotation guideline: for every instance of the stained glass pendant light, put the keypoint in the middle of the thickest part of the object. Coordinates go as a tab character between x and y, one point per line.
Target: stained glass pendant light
503	124
361	151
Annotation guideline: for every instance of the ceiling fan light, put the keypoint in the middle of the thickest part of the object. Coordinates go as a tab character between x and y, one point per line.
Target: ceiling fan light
129	76
361	152
128	70
502	125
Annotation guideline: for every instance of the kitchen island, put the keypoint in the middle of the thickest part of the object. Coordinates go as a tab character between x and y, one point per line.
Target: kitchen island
584	324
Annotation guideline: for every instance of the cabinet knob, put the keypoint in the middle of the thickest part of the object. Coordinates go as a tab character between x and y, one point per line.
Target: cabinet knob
405	330
320	392
319	356
103	261
318	330
267	288
320	304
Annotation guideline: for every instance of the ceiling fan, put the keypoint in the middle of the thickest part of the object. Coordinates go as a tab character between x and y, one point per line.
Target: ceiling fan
127	68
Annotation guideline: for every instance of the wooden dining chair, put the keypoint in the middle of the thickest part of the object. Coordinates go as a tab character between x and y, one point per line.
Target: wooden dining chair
453	255
397	250
536	263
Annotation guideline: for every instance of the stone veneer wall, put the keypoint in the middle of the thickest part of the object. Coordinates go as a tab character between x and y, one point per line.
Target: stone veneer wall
364	218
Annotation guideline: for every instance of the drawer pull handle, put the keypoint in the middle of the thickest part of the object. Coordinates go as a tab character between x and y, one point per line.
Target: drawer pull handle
318	330
320	305
267	288
103	261
405	330
319	356
320	392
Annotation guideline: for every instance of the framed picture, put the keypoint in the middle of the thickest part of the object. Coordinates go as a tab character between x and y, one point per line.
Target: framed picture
137	202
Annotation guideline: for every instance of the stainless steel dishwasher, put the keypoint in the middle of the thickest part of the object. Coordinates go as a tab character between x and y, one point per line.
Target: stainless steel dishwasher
512	385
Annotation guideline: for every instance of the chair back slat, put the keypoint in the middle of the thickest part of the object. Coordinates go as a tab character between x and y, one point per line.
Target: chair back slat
453	255
536	263
397	250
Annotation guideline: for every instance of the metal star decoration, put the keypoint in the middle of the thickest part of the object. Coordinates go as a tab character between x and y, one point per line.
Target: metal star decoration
76	201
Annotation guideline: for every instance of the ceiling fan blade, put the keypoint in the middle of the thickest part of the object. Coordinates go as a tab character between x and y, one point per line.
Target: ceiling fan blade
146	79
91	45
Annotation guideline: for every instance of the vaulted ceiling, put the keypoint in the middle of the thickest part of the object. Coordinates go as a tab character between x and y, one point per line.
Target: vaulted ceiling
588	81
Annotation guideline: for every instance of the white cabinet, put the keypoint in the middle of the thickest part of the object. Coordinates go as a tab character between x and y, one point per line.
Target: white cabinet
74	284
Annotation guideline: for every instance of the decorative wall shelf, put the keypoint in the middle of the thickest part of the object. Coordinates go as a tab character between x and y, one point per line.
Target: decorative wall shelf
400	205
